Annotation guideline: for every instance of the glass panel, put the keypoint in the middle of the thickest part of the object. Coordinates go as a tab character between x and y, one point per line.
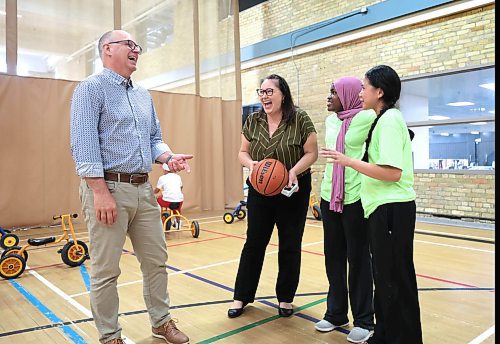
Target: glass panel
165	30
453	96
3	57
456	146
64	46
216	52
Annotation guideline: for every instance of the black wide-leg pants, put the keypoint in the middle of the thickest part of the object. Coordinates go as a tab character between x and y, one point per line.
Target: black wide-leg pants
397	310
346	239
289	216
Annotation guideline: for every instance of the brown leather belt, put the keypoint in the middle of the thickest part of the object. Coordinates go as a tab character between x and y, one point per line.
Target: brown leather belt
134	178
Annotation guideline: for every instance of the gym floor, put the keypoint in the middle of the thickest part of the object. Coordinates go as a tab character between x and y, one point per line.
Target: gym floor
49	302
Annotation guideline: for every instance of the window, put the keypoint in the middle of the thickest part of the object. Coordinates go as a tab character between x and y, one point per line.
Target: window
248	109
453	117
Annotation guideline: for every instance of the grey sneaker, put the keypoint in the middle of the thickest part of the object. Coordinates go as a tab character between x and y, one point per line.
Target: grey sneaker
359	335
326	326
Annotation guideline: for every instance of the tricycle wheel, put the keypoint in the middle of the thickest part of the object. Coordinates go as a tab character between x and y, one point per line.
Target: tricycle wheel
164	216
74	254
316	210
9	240
228	218
12	266
168	225
241	214
195	229
15	250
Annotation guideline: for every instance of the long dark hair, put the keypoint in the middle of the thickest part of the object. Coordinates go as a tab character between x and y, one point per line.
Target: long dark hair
385	78
288	107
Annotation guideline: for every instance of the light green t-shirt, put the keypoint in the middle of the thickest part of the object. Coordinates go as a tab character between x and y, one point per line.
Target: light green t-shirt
391	146
354	147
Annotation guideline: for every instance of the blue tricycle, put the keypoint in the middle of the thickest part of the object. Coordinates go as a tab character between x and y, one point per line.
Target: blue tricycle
238	212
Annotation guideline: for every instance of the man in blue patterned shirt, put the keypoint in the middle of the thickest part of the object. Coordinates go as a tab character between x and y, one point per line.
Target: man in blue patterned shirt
115	138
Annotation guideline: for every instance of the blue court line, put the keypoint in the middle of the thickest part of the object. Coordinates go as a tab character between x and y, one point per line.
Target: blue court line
203	279
85	276
75	337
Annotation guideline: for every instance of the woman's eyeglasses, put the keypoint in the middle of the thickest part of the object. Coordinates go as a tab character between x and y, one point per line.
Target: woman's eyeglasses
131	44
267	91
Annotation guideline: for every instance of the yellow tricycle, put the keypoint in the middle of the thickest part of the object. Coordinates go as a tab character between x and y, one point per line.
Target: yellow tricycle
173	219
74	252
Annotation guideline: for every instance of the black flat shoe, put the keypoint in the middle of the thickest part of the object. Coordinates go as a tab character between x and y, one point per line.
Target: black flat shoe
236	312
285	312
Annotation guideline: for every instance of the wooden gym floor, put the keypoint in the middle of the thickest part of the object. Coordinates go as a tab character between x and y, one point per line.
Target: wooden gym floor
49	302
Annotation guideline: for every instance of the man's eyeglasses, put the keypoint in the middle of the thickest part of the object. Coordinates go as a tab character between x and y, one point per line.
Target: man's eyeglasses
267	91
131	44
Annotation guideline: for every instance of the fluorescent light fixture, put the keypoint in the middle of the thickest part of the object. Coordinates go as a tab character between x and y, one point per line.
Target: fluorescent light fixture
489	86
460	104
492	111
478	123
474	132
438	117
444	134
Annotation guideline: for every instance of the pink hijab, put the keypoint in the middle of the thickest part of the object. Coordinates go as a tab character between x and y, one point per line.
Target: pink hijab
347	89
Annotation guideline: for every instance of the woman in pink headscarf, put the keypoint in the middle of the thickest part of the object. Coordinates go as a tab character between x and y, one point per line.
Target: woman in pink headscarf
345	228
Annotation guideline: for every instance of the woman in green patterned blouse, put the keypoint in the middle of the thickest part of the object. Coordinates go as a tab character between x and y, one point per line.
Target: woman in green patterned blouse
284	132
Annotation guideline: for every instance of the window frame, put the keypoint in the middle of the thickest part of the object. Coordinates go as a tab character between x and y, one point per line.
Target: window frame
451	121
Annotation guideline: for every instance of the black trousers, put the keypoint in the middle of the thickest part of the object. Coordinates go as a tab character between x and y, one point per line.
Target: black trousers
346	239
289	216
397	310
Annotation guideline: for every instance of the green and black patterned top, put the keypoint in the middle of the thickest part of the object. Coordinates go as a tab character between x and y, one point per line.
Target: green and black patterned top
287	142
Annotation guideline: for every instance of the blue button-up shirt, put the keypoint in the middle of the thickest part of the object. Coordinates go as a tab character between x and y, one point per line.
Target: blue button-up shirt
114	126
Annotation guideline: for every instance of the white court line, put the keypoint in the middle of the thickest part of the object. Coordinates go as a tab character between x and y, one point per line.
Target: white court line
62	294
447	245
195	269
454	246
485	335
69	299
456	236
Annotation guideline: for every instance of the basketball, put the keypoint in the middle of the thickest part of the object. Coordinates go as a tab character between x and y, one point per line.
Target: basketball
269	177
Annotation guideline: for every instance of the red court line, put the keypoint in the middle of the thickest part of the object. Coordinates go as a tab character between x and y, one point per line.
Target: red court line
197	241
271	244
322	254
44	266
448	281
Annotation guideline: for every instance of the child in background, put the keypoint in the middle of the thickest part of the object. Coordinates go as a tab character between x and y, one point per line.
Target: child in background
170	185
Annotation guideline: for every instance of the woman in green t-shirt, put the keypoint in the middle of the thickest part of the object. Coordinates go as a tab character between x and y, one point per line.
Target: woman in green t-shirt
388	200
345	228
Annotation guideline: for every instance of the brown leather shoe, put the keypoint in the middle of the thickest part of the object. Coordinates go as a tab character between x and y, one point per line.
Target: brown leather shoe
170	333
115	341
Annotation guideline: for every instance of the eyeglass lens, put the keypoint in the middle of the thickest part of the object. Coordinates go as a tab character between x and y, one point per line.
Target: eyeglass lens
131	44
267	91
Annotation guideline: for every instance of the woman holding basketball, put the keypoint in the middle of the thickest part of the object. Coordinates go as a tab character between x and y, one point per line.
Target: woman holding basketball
388	200
345	228
286	133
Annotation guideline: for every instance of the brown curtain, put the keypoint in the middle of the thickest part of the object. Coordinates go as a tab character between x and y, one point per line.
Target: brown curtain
37	174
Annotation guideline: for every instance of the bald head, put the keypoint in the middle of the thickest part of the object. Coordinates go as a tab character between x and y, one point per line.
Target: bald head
109	36
105	38
119	52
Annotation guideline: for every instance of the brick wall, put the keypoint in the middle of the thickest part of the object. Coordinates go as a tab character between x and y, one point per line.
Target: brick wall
456	41
456	195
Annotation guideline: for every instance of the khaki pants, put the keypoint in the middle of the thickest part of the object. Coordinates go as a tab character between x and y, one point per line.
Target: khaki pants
139	218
